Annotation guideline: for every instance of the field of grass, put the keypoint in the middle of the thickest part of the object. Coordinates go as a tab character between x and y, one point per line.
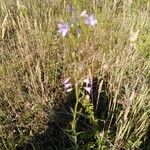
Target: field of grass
38	111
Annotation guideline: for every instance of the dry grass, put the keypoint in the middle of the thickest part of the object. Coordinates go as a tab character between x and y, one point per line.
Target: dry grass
34	60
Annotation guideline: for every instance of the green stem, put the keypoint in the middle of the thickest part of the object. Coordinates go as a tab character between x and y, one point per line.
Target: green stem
75	117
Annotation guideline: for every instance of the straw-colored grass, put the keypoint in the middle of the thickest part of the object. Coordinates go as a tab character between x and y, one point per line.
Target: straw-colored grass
35	59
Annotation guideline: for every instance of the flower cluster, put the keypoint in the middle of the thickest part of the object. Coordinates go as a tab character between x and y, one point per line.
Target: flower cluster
87	85
89	20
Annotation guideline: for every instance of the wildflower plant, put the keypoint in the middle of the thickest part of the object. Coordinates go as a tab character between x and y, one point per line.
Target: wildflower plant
75	22
83	107
108	111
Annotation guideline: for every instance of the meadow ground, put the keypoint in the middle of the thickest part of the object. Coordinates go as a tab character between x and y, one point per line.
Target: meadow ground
102	55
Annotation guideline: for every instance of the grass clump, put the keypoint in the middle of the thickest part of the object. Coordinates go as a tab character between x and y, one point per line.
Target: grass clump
105	54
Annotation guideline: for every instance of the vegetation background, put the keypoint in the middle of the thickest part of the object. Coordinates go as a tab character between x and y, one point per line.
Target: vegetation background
35	110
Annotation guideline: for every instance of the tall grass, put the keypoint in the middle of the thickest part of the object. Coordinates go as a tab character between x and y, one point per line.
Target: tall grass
35	59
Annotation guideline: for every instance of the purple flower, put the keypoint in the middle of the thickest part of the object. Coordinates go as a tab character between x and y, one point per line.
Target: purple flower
88	89
90	20
88	81
67	85
63	29
66	81
88	86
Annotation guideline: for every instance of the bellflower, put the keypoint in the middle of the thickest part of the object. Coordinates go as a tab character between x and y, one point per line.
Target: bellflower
88	81
63	29
88	86
90	20
67	85
88	89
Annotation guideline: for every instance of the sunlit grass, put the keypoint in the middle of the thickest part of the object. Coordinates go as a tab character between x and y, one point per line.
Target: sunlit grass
35	60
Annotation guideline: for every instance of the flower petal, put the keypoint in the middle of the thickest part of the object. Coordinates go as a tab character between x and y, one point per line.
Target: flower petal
87	81
84	13
63	28
66	80
67	85
88	89
91	20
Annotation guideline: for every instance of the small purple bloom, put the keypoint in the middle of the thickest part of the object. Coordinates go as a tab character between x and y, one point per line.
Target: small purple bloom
90	20
66	81
67	85
88	81
88	89
63	29
88	86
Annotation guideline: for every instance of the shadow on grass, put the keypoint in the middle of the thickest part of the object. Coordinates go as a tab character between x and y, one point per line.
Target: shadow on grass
146	140
56	137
